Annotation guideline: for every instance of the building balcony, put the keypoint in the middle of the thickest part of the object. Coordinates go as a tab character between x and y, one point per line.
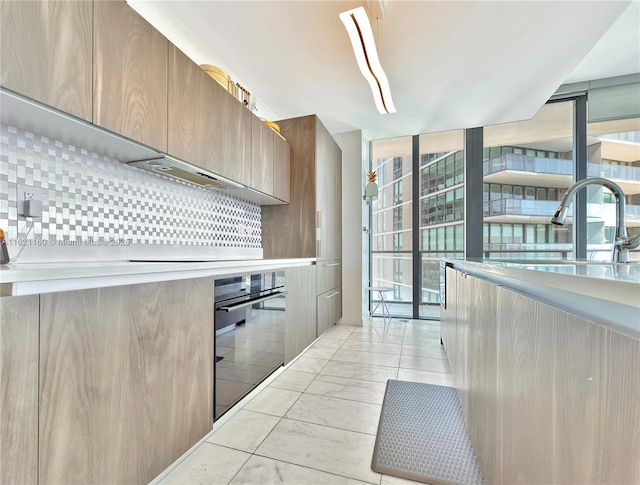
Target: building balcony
540	212
519	169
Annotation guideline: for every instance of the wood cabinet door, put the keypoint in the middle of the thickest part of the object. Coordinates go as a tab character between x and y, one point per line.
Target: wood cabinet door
328	195
261	156
126	379
232	122
45	47
281	169
300	317
207	126
129	75
19	327
329	309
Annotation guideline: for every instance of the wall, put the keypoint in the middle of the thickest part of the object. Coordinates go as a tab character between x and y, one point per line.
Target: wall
355	216
88	197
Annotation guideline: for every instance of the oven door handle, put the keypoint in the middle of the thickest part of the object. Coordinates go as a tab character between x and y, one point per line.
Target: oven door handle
251	302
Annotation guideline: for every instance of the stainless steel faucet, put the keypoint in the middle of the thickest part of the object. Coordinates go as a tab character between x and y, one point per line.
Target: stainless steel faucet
622	242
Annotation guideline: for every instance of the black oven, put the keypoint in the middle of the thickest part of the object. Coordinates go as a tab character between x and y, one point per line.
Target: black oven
249	334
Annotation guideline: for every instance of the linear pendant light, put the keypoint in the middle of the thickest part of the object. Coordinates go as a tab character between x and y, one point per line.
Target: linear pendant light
358	27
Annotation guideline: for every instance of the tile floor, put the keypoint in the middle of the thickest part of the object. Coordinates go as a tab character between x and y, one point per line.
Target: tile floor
316	422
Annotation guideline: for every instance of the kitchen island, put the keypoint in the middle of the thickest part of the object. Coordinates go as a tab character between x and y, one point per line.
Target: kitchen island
546	359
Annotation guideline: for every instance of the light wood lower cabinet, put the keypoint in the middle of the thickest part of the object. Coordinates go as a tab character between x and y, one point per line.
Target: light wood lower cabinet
329	275
329	309
300	317
548	396
19	390
126	379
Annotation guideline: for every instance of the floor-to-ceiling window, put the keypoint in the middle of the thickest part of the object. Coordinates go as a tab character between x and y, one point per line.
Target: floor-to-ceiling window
614	153
391	226
441	198
527	166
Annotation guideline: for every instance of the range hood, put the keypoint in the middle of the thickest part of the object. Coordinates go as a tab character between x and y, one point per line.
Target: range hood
172	167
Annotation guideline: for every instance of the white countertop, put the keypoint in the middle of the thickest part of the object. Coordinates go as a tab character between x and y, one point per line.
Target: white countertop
34	278
601	292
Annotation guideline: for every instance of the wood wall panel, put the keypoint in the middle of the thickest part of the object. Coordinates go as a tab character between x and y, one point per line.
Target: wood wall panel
126	380
45	47
19	335
281	169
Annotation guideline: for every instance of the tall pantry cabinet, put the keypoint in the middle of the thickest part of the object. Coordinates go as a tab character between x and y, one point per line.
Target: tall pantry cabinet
311	225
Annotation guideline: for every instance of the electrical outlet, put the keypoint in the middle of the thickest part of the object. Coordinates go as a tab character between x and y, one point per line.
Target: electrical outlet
27	192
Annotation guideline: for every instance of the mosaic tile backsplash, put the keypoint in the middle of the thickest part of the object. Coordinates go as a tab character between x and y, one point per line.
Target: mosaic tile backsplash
87	196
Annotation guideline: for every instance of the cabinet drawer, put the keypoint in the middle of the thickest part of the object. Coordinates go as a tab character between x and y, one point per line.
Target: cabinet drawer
329	275
329	309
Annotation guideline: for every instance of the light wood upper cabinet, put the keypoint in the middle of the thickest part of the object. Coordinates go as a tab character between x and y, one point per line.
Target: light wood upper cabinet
207	126
262	138
315	196
281	169
130	75
19	324
126	379
45	52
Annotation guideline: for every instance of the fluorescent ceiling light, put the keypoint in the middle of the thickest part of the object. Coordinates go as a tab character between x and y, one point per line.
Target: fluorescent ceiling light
358	27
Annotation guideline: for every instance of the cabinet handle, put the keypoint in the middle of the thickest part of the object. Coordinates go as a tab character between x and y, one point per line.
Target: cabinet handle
332	264
251	302
328	297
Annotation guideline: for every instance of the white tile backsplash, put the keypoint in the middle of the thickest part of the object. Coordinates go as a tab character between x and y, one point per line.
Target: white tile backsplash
88	196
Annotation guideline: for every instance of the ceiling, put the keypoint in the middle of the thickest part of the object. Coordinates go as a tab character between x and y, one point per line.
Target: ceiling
450	64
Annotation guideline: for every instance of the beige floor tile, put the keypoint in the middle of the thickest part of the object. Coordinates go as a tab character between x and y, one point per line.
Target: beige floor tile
209	464
375	337
346	388
364	346
328	343
273	401
332	450
431	352
437	378
424	363
319	353
244	431
293	380
337	413
374	358
266	471
422	342
365	372
308	364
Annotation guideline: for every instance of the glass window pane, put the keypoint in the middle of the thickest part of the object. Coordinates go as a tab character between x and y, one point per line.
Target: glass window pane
531	164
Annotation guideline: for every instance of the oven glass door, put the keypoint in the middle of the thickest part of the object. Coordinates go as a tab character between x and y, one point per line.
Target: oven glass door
250	344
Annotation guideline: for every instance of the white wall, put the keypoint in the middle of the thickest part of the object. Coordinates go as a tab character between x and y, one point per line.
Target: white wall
355	216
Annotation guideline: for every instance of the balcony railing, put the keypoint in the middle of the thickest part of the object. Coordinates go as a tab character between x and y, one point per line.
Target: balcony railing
556	166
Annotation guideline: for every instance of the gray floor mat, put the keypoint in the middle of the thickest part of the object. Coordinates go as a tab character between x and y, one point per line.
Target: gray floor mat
422	436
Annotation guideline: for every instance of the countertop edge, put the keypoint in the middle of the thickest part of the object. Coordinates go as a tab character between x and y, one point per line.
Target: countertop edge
30	281
611	314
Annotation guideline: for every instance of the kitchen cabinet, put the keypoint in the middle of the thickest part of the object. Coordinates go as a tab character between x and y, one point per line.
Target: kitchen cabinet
544	392
19	327
207	126
262	151
329	309
126	379
289	231
281	169
129	74
300	317
46	54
